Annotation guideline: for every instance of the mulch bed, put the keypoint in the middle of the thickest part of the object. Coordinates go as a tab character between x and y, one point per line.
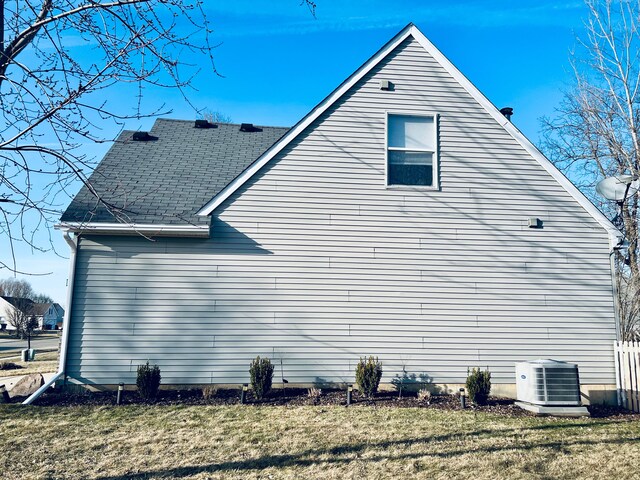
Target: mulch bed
291	397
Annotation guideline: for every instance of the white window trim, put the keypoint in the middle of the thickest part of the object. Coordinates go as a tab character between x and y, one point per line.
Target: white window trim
436	152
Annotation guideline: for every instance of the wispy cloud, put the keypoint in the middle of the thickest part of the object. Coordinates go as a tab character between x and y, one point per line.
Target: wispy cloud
236	19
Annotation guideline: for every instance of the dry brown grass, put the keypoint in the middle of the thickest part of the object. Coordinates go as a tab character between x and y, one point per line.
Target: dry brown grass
44	363
196	442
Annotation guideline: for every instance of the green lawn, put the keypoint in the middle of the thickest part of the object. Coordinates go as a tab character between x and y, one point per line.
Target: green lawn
203	442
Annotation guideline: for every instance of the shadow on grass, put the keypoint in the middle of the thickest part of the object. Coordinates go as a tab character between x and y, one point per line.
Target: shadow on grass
310	457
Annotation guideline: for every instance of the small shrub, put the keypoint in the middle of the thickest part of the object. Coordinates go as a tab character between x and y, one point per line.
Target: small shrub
261	374
9	366
478	385
314	393
368	375
148	381
424	395
209	392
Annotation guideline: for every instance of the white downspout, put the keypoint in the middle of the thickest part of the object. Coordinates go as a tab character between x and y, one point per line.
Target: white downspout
73	245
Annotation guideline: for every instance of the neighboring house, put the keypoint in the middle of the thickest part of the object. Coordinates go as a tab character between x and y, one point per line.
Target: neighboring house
54	316
8	305
5	308
404	217
49	315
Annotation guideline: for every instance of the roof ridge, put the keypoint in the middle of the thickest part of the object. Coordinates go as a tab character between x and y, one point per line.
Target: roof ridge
178	120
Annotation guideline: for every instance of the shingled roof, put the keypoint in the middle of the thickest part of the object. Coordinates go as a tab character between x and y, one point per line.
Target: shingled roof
166	180
24	304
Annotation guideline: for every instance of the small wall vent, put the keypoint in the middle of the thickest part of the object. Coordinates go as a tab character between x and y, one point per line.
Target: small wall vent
535	222
386	85
249	127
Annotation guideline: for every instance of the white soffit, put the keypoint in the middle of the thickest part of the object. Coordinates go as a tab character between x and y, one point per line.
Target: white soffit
413	31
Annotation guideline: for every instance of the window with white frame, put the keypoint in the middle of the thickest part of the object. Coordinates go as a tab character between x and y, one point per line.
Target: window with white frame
411	150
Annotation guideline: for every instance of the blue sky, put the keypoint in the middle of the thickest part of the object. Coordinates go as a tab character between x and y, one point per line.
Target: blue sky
276	62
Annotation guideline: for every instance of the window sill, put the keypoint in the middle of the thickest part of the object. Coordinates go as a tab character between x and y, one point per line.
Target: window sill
412	187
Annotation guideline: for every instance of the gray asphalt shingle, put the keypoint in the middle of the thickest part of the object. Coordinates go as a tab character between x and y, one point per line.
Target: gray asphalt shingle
167	180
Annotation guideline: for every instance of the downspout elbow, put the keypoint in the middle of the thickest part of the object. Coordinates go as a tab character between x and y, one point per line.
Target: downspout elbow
71	242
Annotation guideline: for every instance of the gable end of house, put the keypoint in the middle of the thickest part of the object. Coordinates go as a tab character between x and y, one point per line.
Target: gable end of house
411	31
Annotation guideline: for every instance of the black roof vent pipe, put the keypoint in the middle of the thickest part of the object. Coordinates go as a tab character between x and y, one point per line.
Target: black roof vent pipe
507	112
142	137
204	124
249	127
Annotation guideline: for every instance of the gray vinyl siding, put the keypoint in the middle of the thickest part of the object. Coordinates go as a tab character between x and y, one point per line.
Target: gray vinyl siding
314	262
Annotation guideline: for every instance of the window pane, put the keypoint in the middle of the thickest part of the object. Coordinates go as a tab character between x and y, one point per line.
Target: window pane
402	157
406	131
410	168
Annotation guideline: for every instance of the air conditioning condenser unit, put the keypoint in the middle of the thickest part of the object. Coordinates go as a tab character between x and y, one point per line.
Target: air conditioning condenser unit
549	387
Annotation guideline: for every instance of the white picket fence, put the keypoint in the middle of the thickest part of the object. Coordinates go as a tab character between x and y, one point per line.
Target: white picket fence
628	374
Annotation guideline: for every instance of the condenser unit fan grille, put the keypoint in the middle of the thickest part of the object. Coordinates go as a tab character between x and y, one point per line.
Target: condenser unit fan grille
557	385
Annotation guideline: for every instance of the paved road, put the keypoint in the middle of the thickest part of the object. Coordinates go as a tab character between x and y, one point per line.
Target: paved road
44	342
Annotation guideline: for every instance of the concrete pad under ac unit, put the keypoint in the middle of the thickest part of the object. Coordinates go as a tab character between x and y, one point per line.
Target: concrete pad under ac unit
556	411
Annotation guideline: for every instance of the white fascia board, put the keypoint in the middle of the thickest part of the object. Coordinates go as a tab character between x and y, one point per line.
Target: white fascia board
135	228
411	30
304	123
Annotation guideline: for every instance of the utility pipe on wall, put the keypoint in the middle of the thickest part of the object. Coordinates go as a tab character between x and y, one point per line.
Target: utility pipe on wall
617	317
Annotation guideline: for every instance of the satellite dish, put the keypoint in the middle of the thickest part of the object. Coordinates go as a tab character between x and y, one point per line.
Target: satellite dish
618	188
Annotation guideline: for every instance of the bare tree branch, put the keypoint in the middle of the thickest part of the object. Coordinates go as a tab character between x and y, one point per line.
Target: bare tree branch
596	130
54	98
57	97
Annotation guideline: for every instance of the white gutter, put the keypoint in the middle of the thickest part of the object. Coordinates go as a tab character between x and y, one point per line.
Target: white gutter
73	245
136	228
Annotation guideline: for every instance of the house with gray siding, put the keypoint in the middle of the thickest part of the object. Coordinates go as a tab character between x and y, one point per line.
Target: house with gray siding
404	217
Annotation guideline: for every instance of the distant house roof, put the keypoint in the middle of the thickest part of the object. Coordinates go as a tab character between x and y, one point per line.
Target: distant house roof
59	309
33	308
22	304
167	179
40	309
